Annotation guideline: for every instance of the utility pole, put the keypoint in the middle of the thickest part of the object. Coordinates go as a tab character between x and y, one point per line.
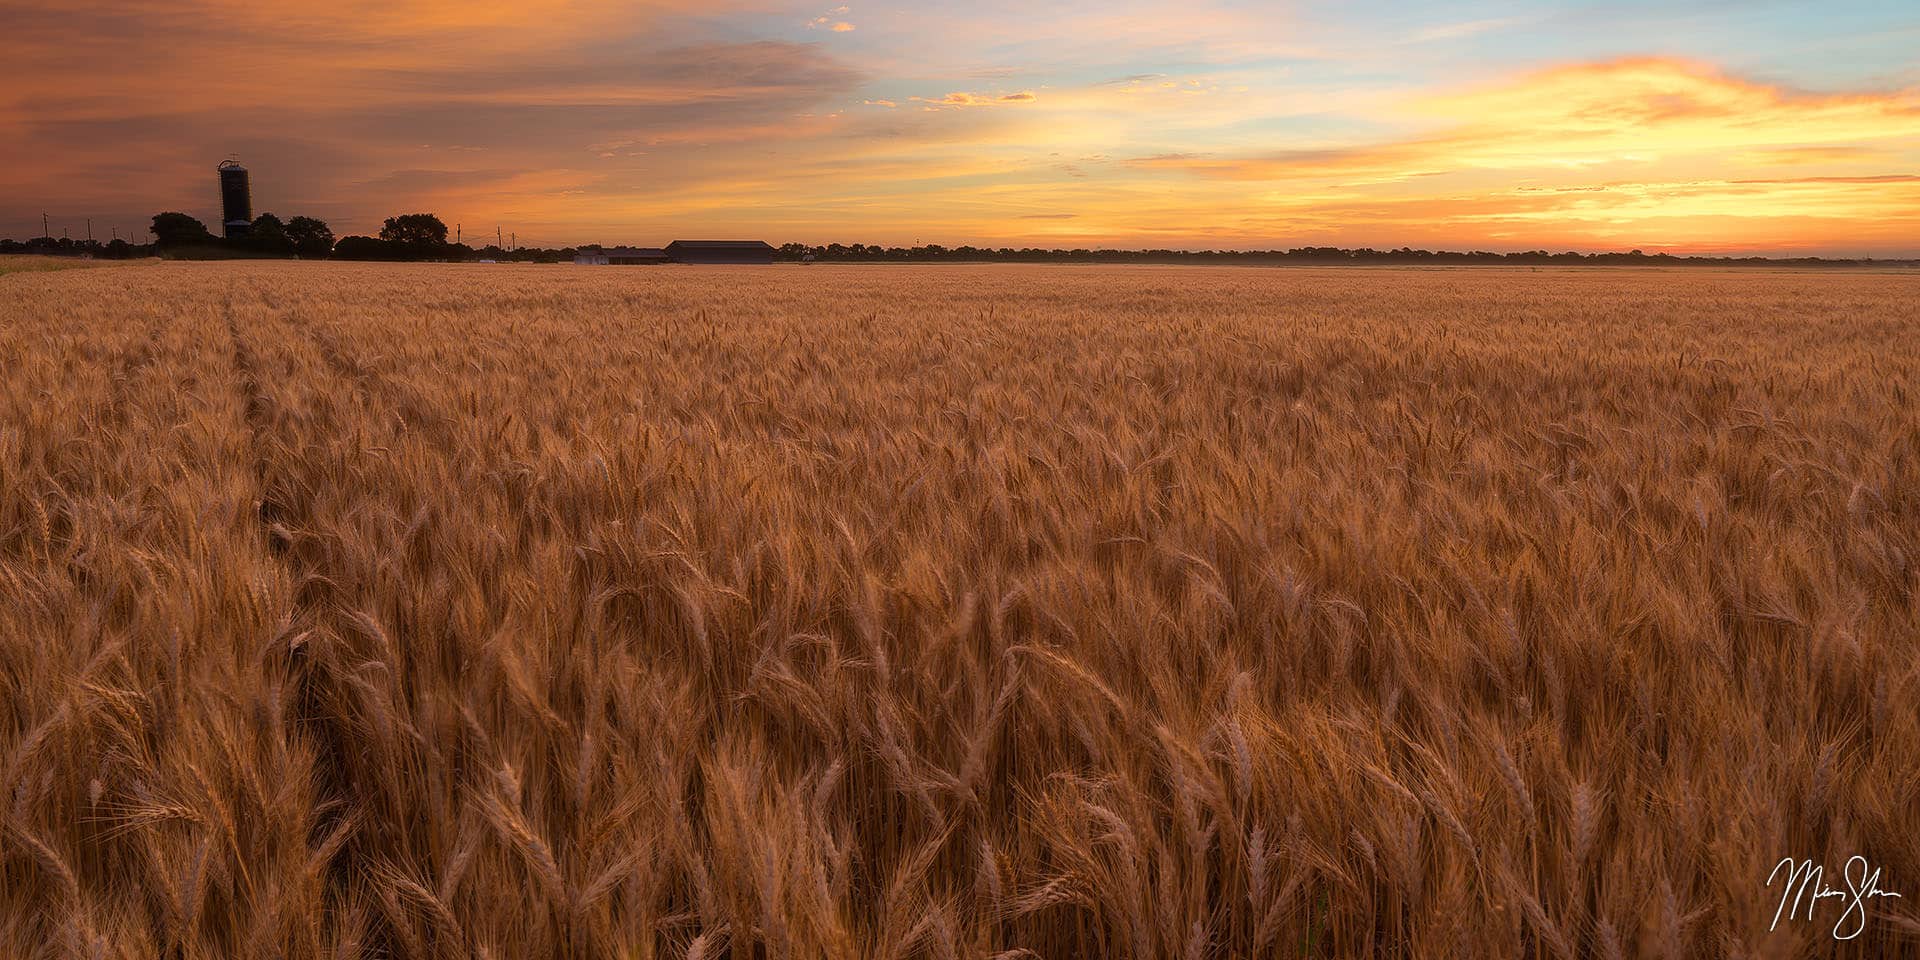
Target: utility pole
45	231
514	238
497	242
456	233
89	229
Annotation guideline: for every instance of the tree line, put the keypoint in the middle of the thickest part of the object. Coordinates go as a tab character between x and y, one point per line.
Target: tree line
407	237
935	253
423	236
269	236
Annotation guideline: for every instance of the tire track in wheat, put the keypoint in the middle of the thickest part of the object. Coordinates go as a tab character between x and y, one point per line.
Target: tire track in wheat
337	514
304	651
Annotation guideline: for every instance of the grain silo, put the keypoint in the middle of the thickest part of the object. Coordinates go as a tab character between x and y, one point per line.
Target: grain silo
236	200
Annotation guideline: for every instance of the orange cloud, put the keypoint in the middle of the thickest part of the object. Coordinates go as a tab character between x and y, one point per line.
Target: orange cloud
1626	112
961	99
494	111
1627	151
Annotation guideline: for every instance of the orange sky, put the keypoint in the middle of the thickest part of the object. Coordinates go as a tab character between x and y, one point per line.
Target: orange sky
1209	124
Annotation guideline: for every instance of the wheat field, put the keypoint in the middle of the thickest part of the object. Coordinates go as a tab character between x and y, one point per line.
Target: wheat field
448	611
22	263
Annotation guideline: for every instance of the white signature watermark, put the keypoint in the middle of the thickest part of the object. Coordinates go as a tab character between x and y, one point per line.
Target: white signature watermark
1806	883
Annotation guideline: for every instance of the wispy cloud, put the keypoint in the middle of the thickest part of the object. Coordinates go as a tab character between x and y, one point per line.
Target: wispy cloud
963	99
831	20
1466	28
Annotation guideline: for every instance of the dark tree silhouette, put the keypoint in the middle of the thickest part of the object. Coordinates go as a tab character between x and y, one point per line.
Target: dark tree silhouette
368	248
311	238
269	235
419	231
177	230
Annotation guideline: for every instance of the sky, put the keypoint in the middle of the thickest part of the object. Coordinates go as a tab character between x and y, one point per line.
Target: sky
1688	127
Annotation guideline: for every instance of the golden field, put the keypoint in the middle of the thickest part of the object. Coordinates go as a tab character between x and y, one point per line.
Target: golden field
452	611
20	263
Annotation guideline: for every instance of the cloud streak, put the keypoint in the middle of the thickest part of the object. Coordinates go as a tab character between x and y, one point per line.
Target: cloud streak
963	99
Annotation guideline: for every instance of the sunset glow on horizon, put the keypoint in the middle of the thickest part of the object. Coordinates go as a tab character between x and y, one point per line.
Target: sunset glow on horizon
1770	128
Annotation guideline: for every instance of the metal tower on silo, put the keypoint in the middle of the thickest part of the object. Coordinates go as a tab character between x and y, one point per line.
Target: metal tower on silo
236	200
